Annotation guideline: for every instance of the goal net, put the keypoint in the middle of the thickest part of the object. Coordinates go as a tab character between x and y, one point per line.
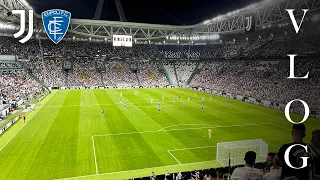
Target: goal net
236	150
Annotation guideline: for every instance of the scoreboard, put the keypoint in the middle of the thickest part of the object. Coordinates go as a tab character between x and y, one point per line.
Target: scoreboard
122	40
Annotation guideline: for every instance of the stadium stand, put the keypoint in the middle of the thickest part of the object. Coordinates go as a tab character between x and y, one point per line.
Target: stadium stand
94	64
16	83
254	68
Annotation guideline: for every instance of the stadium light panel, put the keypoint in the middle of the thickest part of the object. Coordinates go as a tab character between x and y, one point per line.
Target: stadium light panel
206	22
6	26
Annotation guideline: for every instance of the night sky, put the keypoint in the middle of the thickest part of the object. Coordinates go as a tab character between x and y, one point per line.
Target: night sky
173	12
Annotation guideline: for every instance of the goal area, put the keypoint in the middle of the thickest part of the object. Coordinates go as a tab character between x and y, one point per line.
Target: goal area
236	150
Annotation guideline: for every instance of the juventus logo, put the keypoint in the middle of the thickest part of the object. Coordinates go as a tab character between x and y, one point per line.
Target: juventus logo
249	23
23	25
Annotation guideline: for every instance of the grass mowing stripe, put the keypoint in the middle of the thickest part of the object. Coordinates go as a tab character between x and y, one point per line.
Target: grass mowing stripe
26	123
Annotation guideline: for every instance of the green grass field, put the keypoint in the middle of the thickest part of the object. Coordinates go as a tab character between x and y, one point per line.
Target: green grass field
63	139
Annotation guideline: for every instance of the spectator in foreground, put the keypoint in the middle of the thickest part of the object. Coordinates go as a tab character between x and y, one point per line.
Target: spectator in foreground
212	174
267	165
314	153
275	172
219	175
296	153
247	172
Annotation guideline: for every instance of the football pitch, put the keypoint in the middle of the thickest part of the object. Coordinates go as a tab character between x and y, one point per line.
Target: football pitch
67	137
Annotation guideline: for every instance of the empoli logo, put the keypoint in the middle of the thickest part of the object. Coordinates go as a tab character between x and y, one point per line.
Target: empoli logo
56	23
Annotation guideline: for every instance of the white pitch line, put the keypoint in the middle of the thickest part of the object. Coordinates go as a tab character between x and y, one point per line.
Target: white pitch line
118	172
213	126
202	147
26	123
94	154
271	144
174	157
184	125
113	104
281	126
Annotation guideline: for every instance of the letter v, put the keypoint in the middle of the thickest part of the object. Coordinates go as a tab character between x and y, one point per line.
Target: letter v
293	19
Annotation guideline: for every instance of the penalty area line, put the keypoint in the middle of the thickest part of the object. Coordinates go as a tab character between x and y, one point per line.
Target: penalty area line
201	147
174	157
182	129
26	123
185	125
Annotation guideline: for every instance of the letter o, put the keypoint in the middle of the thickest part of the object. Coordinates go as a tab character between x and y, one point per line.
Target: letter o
306	111
286	157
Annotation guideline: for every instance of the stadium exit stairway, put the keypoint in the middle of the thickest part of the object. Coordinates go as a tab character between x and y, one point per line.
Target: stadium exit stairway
196	70
167	74
175	73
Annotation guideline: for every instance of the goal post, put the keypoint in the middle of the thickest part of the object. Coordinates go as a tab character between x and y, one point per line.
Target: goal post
236	150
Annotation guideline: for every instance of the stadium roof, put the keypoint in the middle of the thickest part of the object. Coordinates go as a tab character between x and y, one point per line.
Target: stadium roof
172	12
268	13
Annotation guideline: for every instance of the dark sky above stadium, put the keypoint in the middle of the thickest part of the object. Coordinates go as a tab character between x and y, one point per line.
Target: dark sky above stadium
173	12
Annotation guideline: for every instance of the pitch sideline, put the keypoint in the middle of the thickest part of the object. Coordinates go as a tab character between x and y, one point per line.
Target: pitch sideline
26	123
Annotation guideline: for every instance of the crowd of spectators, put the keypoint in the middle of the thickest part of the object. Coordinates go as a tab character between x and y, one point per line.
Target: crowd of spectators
276	45
184	71
16	83
119	73
150	75
266	80
79	63
48	70
72	63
